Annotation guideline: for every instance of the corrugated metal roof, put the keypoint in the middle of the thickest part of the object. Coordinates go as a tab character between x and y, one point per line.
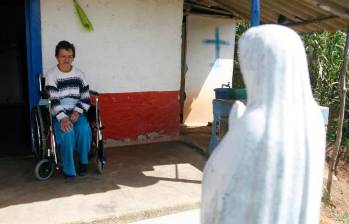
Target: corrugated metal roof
301	15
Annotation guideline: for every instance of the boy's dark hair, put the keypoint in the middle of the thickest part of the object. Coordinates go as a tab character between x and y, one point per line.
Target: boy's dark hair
64	45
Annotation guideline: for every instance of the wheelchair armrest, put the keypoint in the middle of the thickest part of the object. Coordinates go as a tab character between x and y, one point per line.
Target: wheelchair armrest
44	94
93	93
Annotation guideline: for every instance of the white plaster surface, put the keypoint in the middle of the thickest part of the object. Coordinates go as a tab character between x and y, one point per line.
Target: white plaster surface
205	73
135	45
236	112
269	166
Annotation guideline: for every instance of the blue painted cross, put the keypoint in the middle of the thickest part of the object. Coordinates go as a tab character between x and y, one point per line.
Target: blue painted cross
217	42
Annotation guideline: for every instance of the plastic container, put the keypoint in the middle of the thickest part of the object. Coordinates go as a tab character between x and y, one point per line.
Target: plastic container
238	94
230	93
222	93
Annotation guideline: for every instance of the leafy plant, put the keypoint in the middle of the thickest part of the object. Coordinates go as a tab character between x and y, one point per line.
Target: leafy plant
237	81
325	56
83	17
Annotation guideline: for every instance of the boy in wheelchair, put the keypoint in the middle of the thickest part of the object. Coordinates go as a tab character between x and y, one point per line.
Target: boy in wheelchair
70	101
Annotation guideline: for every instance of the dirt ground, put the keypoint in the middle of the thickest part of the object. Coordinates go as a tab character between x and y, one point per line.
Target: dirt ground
338	210
197	136
335	213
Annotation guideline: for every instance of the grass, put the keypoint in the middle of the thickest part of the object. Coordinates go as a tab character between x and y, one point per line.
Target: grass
344	218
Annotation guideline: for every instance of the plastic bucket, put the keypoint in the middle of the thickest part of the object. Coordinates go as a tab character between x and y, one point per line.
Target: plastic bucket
230	93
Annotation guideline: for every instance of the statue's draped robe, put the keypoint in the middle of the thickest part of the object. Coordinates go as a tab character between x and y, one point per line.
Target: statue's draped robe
268	168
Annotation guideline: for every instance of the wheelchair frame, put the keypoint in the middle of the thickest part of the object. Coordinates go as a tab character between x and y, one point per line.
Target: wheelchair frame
44	144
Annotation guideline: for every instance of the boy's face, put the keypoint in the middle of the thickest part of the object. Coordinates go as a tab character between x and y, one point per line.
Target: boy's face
65	59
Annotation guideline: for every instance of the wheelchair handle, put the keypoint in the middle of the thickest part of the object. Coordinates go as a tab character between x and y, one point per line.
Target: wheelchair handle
93	93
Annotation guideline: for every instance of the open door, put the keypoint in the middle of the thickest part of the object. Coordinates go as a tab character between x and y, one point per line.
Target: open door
14	105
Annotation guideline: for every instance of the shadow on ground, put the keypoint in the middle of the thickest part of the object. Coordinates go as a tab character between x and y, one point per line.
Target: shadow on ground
127	166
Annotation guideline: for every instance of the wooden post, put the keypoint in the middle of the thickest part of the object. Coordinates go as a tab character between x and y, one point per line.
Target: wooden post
343	92
182	95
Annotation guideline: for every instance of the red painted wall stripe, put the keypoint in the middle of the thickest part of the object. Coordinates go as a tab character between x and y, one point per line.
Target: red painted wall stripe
129	115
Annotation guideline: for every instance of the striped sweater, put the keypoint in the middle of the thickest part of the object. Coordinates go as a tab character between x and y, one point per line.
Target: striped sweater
68	92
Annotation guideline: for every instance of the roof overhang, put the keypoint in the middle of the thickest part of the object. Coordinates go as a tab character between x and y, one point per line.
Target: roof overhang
301	15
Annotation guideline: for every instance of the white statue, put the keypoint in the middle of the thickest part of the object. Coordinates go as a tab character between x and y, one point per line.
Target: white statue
268	168
236	112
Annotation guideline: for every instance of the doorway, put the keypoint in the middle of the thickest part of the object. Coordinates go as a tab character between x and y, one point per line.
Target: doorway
14	105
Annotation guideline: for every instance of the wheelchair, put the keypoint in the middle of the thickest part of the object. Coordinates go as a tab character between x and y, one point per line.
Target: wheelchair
44	145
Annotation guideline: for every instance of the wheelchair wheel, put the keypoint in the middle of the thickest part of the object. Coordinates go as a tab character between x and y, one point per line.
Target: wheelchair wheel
101	157
36	134
100	166
93	151
44	169
39	130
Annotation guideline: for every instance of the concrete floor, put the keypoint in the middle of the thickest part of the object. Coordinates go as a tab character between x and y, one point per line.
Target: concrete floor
188	217
139	182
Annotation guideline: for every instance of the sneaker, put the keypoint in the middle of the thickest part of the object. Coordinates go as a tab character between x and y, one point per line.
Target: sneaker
82	169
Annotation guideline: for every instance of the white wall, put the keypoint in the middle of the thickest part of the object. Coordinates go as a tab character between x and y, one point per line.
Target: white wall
135	45
205	73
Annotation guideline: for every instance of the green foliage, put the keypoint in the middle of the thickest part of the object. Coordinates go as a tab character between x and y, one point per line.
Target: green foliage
238	81
241	28
325	56
344	218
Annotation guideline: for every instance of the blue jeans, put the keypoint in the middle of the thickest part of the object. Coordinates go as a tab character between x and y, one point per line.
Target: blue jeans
80	136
